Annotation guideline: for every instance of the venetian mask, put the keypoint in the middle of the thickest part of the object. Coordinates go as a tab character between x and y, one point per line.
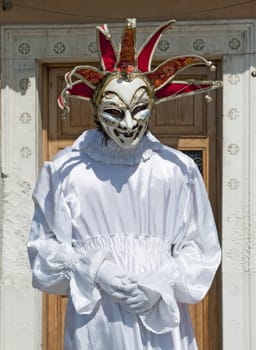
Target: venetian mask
124	110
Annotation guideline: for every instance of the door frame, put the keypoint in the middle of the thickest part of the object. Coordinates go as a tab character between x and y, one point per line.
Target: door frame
198	133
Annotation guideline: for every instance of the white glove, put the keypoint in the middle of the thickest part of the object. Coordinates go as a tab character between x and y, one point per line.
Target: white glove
110	276
138	300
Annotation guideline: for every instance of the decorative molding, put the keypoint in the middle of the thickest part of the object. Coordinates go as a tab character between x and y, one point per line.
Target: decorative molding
233	149
25	152
198	44
163	45
59	48
25	118
24	48
233	184
233	79
234	44
24	85
233	114
92	47
25	187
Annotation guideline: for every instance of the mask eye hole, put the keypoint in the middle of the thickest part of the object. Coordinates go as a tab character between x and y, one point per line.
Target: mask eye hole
114	112
140	108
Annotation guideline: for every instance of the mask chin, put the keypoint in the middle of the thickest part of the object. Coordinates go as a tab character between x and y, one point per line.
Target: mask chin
124	110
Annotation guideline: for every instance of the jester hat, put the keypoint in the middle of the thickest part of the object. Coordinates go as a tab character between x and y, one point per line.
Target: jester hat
85	82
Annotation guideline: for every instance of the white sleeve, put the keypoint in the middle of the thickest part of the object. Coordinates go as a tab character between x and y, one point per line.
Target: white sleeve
195	256
196	248
56	267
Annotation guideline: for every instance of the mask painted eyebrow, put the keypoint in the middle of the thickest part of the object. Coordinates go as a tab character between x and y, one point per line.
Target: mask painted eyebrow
112	99
140	96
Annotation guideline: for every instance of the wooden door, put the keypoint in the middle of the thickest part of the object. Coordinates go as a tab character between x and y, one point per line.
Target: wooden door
189	124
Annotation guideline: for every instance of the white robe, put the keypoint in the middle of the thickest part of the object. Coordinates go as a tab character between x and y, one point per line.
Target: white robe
145	209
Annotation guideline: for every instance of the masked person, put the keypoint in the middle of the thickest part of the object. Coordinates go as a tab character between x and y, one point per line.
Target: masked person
122	223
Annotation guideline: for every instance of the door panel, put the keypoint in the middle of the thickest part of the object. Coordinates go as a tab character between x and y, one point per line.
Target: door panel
189	124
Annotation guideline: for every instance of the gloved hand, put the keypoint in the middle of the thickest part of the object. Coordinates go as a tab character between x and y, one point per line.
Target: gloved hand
136	299
110	276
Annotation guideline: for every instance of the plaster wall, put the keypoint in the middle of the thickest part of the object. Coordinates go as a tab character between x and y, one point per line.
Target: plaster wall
22	50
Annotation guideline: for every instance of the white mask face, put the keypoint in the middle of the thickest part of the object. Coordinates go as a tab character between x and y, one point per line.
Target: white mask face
124	110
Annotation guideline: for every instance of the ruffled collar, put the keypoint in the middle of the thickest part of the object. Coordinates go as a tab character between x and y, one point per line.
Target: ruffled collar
93	143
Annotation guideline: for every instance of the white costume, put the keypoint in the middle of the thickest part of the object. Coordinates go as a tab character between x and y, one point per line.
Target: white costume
145	209
123	224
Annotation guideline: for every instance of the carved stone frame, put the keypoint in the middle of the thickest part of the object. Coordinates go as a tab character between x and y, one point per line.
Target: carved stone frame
22	50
